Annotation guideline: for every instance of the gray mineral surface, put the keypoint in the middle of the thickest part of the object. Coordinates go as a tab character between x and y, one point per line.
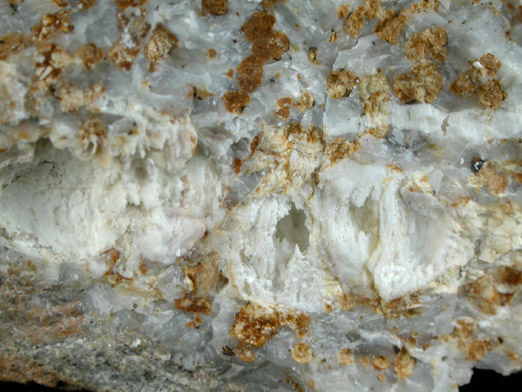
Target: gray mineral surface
244	195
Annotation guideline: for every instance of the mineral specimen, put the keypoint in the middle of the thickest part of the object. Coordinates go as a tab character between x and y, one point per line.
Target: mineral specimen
260	195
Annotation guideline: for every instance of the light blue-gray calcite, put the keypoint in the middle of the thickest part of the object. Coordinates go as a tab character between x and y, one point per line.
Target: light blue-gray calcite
256	195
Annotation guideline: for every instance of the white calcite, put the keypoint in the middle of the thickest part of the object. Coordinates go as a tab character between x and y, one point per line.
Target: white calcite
246	195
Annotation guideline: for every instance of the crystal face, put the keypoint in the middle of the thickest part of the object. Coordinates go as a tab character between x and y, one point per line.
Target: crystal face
260	195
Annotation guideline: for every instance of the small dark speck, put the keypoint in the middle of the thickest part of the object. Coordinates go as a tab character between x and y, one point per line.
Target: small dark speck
272	80
500	340
476	165
227	351
234	40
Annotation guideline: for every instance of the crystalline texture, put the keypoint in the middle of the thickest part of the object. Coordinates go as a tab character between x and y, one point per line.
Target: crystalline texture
260	195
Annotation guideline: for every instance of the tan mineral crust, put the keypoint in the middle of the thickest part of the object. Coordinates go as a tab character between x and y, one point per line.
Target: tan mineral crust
213	195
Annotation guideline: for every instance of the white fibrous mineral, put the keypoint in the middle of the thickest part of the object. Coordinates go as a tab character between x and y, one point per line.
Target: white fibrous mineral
312	195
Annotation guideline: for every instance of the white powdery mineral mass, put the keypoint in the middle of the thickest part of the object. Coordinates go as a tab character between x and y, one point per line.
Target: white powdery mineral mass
260	195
